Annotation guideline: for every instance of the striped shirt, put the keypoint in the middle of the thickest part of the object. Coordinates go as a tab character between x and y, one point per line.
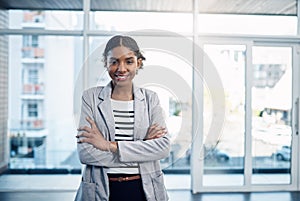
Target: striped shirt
123	113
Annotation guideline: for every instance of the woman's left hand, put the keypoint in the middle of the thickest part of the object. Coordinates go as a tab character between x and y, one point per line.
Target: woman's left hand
155	131
93	136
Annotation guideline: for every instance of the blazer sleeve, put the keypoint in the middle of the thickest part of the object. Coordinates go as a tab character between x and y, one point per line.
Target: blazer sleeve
148	150
88	154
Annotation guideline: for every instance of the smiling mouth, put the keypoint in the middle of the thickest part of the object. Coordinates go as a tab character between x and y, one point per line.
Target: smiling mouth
121	77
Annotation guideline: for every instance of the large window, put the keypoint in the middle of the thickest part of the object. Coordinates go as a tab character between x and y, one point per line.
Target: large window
41	115
53	57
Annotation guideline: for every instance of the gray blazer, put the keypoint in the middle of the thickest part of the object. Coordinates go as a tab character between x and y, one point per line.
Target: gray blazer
96	104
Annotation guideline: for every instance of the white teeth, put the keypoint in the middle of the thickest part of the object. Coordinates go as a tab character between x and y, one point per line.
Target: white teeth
121	77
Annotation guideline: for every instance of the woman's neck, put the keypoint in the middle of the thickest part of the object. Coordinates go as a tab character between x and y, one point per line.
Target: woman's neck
122	93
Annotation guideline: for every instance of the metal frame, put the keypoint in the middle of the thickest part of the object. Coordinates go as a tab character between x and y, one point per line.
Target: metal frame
196	164
248	116
86	28
296	93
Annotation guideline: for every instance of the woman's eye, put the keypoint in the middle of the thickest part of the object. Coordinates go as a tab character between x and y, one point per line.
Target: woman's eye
113	62
129	62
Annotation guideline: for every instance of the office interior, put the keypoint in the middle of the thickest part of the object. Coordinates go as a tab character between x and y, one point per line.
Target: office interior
226	72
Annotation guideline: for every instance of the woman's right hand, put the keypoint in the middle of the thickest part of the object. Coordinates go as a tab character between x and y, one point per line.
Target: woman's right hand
155	131
93	136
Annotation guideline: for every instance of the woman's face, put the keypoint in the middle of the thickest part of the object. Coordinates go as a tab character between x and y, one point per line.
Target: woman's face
122	64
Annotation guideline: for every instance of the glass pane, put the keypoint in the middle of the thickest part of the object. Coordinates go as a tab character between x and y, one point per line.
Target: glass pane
247	24
271	114
223	152
41	84
132	21
44	19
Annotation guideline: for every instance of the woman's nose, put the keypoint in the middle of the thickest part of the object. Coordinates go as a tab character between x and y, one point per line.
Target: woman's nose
121	67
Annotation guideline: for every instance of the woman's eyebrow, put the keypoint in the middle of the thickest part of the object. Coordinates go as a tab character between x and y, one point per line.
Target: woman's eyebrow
127	58
113	58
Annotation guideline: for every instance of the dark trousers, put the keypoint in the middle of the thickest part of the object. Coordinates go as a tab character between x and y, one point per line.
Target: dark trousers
126	190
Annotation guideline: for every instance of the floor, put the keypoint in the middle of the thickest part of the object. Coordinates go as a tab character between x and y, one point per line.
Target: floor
175	195
63	188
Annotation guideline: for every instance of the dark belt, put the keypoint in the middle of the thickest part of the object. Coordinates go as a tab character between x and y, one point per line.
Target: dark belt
122	179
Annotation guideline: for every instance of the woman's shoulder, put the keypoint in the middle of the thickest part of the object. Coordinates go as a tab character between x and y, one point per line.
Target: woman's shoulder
149	95
93	90
149	91
145	92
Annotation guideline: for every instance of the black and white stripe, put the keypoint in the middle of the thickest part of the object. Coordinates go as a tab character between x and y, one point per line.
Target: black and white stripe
124	120
123	113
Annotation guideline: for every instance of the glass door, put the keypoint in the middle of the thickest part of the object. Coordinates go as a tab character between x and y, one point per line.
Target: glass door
257	147
272	114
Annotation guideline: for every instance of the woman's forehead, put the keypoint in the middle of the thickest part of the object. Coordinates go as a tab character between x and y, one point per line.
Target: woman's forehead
120	52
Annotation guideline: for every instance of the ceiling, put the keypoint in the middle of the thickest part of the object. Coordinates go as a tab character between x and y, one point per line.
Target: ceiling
257	7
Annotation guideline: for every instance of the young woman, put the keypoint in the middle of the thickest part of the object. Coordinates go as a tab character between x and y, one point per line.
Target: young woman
122	133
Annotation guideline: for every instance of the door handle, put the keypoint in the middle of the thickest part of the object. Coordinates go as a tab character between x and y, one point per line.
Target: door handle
297	116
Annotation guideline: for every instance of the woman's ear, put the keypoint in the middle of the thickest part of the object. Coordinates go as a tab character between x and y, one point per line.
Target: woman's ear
139	63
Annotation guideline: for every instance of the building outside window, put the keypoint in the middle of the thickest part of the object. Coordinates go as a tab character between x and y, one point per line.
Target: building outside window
30	41
33	77
32	109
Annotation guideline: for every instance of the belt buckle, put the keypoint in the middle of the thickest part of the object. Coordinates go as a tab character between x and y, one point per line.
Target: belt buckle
121	179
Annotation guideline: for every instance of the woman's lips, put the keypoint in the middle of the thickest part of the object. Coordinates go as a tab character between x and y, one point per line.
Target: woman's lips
121	77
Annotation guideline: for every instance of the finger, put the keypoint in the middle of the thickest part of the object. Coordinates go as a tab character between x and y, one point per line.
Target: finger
85	128
159	134
84	140
158	130
92	123
158	127
151	134
162	128
155	136
162	132
84	134
152	127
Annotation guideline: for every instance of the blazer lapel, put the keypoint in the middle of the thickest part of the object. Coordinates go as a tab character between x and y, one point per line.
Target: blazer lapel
140	113
104	108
